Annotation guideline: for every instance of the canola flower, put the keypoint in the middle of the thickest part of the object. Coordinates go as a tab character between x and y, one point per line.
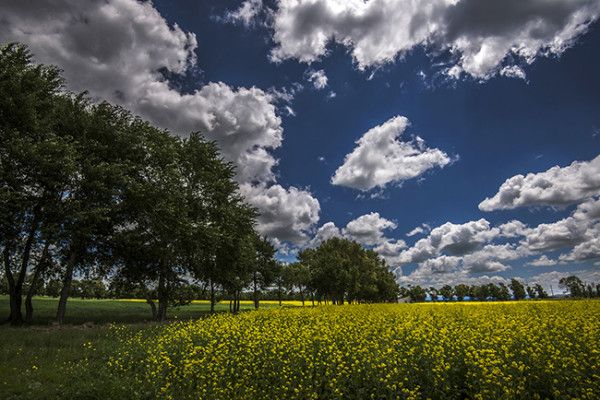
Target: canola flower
510	350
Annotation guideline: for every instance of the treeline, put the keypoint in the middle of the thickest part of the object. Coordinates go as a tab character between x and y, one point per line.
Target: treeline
90	193
515	290
341	270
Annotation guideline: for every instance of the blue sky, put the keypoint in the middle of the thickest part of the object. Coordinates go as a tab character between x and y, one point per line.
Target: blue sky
529	106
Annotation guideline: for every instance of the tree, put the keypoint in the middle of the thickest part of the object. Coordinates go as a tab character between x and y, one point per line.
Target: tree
263	268
433	293
541	293
518	289
417	294
36	160
296	276
342	270
574	285
530	292
447	292
461	290
503	292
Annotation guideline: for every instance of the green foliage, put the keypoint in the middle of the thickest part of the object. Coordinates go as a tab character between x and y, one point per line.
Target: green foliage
342	270
518	289
574	285
99	192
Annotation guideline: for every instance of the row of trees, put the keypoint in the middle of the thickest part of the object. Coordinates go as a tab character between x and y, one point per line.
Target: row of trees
515	290
89	191
341	270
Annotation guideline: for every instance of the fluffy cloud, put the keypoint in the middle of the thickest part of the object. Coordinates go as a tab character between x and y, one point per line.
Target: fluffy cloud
317	78
483	37
423	228
368	229
124	50
286	214
246	14
381	158
557	187
543	261
390	248
475	247
581	226
450	239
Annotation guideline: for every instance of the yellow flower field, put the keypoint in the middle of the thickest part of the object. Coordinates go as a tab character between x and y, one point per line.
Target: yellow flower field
510	350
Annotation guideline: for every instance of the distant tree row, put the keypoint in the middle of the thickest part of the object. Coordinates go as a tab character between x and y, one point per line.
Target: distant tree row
515	290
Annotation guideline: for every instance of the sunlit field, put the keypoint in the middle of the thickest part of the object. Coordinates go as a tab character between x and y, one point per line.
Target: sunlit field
525	350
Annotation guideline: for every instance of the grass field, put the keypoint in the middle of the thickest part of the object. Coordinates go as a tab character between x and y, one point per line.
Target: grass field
34	360
520	350
121	311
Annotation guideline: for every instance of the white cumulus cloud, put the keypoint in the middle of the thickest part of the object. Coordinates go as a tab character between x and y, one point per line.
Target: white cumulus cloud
381	157
483	37
556	187
317	78
124	50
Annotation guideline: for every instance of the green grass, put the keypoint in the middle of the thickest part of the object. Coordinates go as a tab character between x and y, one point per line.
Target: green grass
80	311
51	362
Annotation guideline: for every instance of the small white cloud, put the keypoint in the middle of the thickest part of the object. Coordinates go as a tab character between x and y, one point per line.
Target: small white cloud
246	14
380	158
317	78
513	71
543	261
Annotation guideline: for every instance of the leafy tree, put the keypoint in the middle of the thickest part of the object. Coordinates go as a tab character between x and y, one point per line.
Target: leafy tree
541	293
503	292
36	160
417	294
264	267
530	292
342	270
447	292
517	288
461	290
574	285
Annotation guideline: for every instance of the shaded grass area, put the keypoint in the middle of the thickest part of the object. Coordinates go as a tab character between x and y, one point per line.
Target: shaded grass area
50	362
105	311
44	363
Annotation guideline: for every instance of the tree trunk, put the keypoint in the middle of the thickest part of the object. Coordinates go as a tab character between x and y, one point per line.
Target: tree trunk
302	296
152	307
279	295
161	315
15	317
212	296
39	270
66	288
15	288
255	279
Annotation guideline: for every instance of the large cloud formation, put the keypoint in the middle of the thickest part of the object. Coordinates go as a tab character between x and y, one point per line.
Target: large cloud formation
453	252
380	158
124	50
557	187
482	37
